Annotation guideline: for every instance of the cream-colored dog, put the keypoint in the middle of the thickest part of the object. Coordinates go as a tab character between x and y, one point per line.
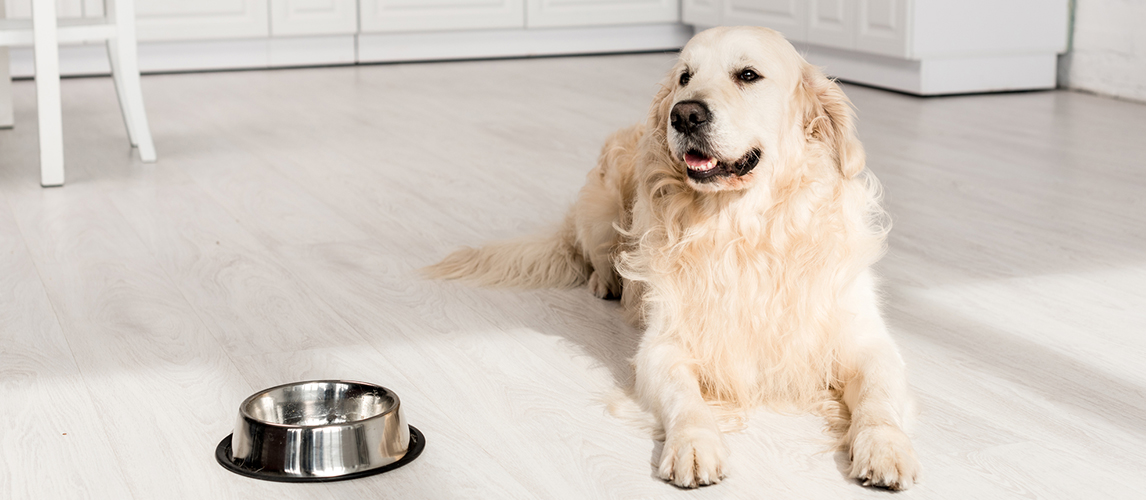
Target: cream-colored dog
738	226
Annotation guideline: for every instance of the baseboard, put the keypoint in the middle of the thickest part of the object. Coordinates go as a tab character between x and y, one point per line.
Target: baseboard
199	55
520	42
939	75
868	69
277	52
989	74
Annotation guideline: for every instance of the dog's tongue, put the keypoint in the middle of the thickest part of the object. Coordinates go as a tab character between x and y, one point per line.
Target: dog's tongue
699	162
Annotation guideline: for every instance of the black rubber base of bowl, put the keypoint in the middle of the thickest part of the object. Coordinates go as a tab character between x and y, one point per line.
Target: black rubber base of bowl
223	456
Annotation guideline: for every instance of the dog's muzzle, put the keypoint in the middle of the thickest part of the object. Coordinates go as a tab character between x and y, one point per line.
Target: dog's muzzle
692	121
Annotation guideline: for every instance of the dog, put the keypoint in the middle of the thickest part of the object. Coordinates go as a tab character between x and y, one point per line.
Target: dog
738	226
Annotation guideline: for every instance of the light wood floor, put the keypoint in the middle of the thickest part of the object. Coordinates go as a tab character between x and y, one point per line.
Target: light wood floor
277	239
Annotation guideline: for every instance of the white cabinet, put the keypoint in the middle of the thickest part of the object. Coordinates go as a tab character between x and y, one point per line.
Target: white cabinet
702	13
831	23
554	13
882	27
786	16
872	26
390	16
313	17
181	20
953	29
6	118
876	26
927	47
201	19
22	9
191	35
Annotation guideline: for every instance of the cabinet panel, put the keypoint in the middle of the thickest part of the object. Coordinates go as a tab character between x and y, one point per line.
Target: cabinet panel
785	16
701	12
201	19
832	23
549	13
977	27
882	27
313	17
93	8
22	9
432	15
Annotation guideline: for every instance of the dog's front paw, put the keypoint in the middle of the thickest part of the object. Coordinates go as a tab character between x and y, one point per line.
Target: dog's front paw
883	456
693	457
604	288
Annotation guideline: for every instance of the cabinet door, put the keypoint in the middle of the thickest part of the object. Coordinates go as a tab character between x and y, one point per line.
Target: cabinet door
550	13
201	19
22	9
785	16
832	23
701	12
882	27
432	15
313	17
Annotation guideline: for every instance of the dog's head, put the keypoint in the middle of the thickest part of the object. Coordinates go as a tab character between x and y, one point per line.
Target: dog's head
740	102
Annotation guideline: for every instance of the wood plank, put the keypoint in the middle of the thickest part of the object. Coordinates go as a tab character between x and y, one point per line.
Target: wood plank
247	299
54	444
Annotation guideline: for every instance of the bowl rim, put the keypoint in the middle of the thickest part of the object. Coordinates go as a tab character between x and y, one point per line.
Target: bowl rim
247	416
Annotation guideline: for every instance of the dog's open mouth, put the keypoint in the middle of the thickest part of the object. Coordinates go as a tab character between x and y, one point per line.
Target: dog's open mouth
702	167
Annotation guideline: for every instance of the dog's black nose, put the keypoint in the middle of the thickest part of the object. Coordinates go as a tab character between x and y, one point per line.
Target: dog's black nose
689	116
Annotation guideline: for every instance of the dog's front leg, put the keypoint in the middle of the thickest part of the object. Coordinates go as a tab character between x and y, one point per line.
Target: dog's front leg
667	383
875	391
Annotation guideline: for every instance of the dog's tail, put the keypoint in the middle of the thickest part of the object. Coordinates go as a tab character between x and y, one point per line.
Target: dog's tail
552	261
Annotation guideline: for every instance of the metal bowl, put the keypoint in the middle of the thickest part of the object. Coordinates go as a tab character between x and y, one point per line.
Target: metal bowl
320	430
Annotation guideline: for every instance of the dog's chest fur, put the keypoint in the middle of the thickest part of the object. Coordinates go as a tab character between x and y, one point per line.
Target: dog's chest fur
752	292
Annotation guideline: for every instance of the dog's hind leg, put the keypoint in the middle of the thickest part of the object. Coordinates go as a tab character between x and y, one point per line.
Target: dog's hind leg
598	207
603	205
667	383
599	243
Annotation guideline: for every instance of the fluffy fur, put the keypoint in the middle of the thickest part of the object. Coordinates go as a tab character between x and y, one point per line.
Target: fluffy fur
752	278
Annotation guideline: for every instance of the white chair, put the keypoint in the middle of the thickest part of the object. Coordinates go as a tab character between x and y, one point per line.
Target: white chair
44	32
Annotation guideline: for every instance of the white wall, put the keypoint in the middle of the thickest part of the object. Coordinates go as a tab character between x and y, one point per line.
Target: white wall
1108	53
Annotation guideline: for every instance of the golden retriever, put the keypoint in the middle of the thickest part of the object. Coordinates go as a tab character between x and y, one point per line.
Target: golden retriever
738	227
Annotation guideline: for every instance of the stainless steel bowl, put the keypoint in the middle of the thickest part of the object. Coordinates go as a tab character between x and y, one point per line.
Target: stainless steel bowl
320	430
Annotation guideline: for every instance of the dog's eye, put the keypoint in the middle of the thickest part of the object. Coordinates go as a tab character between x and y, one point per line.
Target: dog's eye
684	77
748	75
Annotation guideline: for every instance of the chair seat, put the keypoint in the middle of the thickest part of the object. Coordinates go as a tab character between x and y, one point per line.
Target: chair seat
17	32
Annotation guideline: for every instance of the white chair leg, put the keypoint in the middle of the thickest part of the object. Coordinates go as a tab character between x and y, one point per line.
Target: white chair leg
125	70
121	92
47	59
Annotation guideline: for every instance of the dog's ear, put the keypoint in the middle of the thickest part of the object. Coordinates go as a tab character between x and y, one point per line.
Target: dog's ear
662	102
828	118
